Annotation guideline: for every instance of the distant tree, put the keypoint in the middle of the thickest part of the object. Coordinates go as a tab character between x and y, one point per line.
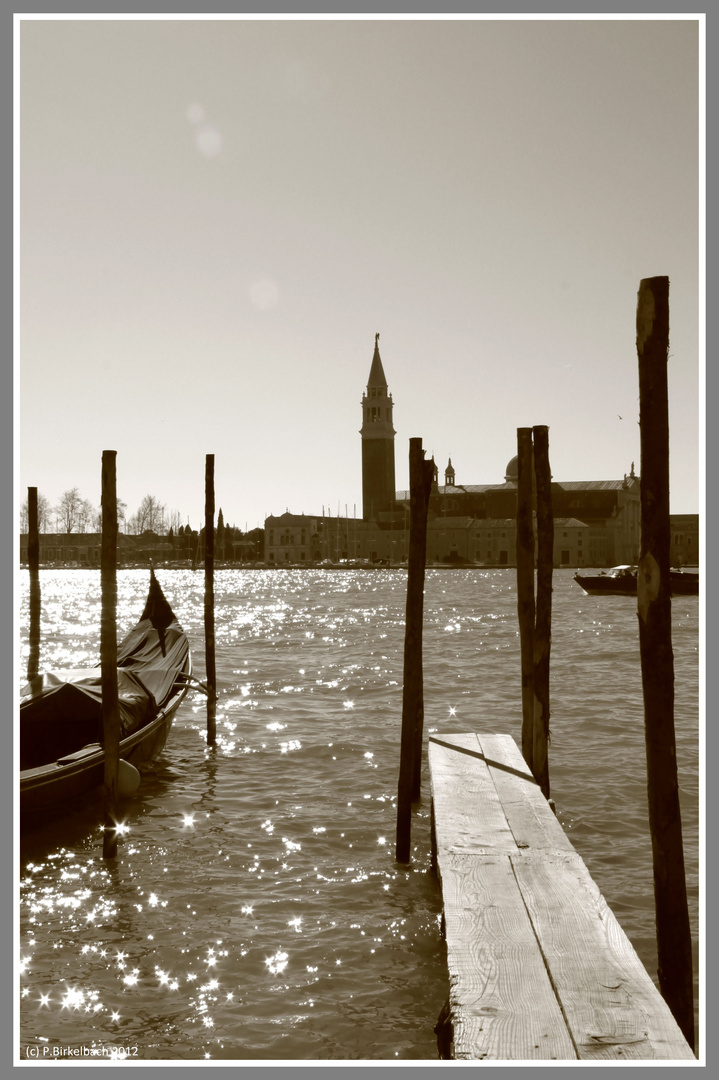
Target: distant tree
68	509
220	535
44	515
86	516
121	517
131	525
257	536
150	517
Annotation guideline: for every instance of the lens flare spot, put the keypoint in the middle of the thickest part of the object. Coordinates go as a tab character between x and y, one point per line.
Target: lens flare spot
208	140
264	293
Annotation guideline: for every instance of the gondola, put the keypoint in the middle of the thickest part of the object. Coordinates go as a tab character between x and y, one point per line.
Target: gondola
622	581
61	751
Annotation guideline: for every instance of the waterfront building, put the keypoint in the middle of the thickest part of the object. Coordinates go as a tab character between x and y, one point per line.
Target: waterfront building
83	550
77	549
684	549
596	522
293	538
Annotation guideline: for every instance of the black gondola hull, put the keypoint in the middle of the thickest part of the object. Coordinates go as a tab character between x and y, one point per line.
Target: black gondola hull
155	665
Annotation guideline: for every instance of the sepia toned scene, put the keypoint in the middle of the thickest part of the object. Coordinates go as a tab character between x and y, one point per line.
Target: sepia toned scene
359	374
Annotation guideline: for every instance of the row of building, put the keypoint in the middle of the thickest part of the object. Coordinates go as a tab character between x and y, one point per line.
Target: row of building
300	540
83	550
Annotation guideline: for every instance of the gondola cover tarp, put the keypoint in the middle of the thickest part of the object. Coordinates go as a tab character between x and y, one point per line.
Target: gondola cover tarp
62	713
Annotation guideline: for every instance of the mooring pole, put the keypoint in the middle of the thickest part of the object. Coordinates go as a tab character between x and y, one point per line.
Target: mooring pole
210	598
525	585
33	563
543	622
657	658
420	482
108	651
427	475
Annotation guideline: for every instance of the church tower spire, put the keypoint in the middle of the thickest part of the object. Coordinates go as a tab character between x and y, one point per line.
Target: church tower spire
378	490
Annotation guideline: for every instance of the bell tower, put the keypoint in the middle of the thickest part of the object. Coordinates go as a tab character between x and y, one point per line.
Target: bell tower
378	490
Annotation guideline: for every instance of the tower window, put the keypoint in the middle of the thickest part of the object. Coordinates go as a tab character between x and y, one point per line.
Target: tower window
374	391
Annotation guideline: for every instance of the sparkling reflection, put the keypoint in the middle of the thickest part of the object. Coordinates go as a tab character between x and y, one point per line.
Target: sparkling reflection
277	963
283	835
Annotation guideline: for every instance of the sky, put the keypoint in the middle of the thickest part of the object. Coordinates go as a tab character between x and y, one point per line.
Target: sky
216	217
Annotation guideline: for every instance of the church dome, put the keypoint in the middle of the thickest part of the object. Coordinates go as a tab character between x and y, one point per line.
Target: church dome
512	471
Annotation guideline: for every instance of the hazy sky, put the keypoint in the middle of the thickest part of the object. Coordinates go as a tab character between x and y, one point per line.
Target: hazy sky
217	216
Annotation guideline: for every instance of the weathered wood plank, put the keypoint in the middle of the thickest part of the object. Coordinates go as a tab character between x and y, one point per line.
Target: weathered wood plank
529	815
539	967
612	1007
501	999
464	795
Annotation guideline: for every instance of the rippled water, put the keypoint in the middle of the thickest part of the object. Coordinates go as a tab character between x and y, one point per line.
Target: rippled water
255	910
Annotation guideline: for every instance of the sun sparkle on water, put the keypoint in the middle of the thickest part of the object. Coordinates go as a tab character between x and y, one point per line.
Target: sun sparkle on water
231	866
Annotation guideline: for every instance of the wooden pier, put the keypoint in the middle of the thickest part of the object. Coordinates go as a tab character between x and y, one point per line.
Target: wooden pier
539	967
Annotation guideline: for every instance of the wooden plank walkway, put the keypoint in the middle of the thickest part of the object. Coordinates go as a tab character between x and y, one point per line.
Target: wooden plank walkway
539	967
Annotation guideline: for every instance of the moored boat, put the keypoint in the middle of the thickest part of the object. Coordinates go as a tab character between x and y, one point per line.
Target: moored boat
61	751
684	582
622	581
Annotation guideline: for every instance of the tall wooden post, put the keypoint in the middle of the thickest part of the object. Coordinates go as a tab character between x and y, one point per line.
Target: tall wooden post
420	482
33	563
525	585
427	475
657	659
108	651
543	623
210	598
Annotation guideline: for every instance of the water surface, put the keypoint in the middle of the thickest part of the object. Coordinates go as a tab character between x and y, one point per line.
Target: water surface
255	910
